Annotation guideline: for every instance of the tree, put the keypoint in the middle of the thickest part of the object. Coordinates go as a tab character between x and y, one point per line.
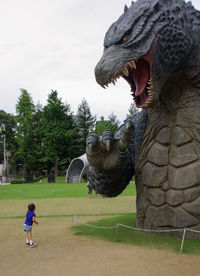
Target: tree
38	130
106	124
114	122
7	129
85	122
60	136
132	110
24	132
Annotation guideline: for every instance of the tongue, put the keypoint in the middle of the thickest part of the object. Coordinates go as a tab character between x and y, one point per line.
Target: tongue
140	77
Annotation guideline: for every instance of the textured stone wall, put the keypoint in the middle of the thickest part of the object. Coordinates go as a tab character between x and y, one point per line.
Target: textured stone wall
168	167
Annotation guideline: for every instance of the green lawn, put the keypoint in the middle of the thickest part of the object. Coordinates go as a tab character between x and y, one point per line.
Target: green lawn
51	190
135	237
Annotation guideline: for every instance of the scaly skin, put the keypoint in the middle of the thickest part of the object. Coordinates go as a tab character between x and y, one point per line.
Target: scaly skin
154	46
168	165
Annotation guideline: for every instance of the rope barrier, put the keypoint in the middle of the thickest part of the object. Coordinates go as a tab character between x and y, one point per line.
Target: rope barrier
184	230
193	230
150	230
130	227
94	226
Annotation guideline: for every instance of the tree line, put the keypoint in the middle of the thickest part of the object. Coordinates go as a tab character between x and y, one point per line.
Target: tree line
44	139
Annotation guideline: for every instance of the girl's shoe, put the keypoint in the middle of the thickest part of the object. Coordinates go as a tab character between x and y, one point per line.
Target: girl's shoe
33	244
27	243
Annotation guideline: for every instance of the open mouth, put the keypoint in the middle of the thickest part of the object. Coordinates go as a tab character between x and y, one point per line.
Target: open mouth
137	74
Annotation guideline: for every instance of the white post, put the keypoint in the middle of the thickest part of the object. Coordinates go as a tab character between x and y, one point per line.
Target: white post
183	238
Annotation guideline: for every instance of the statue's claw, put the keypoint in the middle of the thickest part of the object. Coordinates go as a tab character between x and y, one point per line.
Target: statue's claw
122	145
127	132
109	152
90	147
107	139
108	144
129	125
91	142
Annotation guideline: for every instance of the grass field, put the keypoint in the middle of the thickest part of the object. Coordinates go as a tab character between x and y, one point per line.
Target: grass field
59	189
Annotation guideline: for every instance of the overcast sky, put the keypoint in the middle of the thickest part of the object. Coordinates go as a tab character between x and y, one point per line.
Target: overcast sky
54	45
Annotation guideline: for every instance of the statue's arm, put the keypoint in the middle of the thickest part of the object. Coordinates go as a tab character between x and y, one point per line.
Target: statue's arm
112	158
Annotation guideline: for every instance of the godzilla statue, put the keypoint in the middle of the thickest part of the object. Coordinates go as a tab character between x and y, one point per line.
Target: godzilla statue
155	47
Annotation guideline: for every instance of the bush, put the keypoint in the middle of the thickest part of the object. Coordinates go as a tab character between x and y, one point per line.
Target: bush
17	181
22	181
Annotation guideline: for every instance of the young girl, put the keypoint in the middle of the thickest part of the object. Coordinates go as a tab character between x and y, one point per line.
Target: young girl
30	218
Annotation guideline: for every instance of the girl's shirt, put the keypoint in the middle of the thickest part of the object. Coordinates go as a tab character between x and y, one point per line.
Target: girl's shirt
29	218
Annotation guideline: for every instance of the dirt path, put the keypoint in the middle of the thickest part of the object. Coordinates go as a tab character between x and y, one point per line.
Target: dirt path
61	253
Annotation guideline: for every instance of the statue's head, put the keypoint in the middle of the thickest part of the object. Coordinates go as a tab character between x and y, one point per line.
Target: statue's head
152	43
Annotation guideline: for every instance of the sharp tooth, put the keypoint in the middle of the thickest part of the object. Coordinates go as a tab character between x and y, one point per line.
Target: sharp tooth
114	80
125	73
126	70
130	65
133	64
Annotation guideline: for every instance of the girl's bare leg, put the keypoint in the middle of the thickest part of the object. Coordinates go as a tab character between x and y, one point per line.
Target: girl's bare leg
29	236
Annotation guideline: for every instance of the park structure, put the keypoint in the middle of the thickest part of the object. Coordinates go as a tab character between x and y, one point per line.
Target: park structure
155	47
77	170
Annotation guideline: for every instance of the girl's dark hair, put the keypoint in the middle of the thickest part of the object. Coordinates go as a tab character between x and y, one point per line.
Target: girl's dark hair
31	207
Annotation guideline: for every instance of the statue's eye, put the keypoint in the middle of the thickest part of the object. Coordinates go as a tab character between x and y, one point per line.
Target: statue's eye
124	39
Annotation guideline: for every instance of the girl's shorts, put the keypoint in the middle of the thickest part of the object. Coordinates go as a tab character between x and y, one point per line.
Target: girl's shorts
27	228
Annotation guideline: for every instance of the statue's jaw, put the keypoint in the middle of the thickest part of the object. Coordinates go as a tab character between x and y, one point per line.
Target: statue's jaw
140	82
138	74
